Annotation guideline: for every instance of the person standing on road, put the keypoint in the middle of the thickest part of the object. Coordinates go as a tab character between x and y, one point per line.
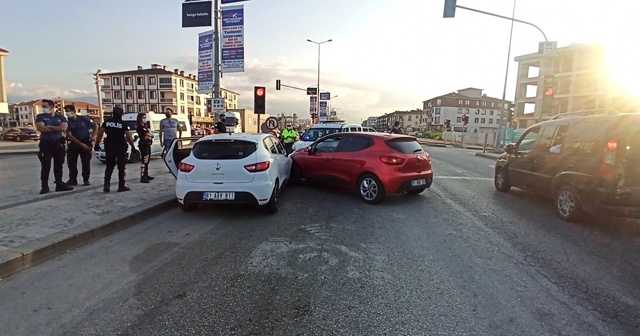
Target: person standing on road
396	128
289	136
145	139
220	127
51	127
169	128
115	147
79	138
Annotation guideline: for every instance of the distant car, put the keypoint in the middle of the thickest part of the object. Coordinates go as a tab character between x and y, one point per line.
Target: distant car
415	134
317	131
229	168
374	163
585	163
20	134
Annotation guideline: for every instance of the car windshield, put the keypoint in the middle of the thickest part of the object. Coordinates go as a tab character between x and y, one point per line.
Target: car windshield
223	150
405	146
317	133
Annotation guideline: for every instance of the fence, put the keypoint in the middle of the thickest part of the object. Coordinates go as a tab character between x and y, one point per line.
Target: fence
470	139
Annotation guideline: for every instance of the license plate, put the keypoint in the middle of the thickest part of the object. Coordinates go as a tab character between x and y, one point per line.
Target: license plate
417	183
218	196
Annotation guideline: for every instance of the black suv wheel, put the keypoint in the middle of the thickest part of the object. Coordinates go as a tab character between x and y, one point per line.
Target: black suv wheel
567	203
501	180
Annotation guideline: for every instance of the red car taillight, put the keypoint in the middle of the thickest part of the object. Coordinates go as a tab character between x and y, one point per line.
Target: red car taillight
609	160
258	167
392	160
185	167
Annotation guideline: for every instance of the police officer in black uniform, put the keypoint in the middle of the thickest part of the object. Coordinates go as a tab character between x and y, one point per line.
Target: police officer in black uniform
115	146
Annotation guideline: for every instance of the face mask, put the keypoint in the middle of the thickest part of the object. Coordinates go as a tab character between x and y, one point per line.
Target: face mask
144	121
46	110
69	115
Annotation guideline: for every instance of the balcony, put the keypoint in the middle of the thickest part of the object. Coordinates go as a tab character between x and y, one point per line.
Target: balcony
190	102
189	90
106	86
171	101
106	100
164	86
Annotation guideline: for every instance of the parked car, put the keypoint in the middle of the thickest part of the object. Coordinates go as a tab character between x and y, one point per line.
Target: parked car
584	162
374	163
20	134
229	168
317	131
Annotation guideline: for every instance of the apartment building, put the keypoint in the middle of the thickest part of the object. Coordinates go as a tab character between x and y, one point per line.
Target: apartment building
409	120
582	80
158	88
24	114
483	111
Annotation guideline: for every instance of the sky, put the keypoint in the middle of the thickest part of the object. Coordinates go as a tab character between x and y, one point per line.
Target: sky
386	55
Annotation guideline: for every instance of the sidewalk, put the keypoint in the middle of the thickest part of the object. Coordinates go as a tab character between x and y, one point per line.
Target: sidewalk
431	142
34	229
488	155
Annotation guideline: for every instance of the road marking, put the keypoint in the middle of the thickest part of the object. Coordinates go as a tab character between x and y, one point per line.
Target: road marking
463	178
492	166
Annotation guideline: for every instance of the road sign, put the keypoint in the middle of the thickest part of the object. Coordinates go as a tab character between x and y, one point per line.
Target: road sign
311	91
217	105
272	123
325	96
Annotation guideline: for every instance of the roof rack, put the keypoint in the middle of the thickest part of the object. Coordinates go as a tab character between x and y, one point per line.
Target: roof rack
585	113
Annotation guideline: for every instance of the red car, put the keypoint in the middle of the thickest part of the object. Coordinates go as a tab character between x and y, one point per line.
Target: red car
374	163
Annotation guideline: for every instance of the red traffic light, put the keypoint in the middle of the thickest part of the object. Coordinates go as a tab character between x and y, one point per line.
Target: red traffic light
259	92
550	91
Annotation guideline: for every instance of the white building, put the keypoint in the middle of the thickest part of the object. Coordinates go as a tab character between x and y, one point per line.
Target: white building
156	89
483	111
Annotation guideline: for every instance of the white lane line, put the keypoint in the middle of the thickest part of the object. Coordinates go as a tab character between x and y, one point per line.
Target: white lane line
463	178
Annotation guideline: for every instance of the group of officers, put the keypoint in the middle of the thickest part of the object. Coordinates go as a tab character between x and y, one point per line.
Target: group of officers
72	136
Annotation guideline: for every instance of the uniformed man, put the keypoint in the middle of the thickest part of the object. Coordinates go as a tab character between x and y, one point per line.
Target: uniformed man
220	126
79	138
51	127
289	136
115	146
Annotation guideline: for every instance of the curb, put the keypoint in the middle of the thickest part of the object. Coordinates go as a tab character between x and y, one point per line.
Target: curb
22	152
487	156
434	144
32	253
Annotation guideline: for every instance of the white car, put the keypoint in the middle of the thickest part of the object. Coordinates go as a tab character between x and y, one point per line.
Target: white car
229	168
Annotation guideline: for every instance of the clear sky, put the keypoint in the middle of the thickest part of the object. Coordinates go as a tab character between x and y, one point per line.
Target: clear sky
386	55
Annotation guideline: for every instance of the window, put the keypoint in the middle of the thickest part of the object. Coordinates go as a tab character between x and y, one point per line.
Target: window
140	94
270	145
527	141
476	120
328	145
356	143
439	101
583	138
182	109
405	146
466	102
182	96
460	101
490	112
117	95
484	112
152	81
165	80
491	120
491	104
116	81
459	119
128	94
127	81
140	80
477	103
223	149
459	111
483	120
129	108
477	111
484	103
141	108
466	111
437	112
152	95
558	139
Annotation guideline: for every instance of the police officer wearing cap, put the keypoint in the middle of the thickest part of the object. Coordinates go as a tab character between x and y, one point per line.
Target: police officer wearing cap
80	134
115	146
289	136
51	126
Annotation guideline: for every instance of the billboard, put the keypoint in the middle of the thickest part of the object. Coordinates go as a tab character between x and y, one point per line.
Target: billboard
313	103
232	39
205	62
197	14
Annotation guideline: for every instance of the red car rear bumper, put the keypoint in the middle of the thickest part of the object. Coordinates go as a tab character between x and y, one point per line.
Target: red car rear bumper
403	182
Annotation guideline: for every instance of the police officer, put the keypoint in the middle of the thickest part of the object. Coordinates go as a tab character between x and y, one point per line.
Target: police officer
115	146
79	138
51	126
289	136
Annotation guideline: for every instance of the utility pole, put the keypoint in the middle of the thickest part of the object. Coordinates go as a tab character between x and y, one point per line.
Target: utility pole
99	91
216	52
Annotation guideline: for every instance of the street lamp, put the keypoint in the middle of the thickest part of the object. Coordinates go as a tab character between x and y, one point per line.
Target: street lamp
318	87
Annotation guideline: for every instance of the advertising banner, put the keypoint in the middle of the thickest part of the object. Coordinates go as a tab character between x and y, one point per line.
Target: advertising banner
196	14
205	62
313	102
325	96
232	39
323	111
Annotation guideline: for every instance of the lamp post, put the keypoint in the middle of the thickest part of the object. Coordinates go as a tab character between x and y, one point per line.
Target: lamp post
318	87
97	81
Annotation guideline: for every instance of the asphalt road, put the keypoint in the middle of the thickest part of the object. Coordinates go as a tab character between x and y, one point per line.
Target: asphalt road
459	259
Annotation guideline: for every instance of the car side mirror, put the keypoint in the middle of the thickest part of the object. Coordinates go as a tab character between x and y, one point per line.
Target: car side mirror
510	149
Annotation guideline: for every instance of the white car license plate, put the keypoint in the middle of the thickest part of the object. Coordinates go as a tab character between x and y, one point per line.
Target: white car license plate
218	196
417	183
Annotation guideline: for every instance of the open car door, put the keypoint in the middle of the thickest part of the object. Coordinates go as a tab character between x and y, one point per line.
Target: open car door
180	149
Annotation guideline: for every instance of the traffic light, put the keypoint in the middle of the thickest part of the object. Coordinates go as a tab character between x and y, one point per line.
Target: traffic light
465	119
449	9
447	123
277	84
548	95
208	105
259	99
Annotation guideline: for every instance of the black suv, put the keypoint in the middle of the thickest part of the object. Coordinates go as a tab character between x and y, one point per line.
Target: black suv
589	163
